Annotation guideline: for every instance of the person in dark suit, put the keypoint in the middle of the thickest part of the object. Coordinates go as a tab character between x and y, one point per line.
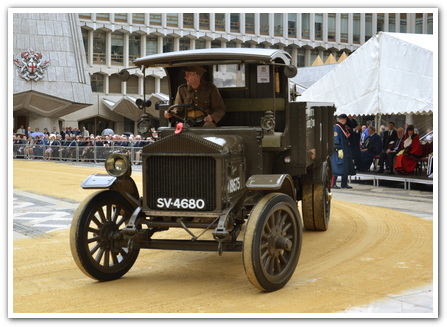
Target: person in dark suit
388	140
371	148
395	148
341	160
354	140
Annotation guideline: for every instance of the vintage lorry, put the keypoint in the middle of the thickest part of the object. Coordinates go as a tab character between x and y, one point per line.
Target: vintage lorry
235	187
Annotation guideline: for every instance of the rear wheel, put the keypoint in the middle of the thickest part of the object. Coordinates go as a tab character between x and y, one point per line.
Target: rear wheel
316	202
272	242
96	243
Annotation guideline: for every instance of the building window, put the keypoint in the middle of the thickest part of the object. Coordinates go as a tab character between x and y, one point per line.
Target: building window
291	25
380	22
99	47
219	22
204	21
85	16
368	26
331	32
155	19
149	84
104	17
188	20
129	125
117	48
164	86
168	44
301	57
419	23
185	43
138	19
318	26
121	18
97	82
231	44
114	84
264	24
132	85
235	23
305	26
288	50
200	43
356	29
134	46
216	44
85	40
172	20
429	23
151	44
278	23
392	23
250	23
403	23
313	55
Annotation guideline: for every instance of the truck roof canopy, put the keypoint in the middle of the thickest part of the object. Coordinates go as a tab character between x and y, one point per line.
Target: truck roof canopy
214	56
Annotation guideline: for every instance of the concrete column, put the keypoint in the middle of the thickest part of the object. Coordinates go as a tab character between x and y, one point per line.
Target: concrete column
176	43
338	27
362	28
90	48
294	56
109	49
159	44
307	62
126	50
157	84
325	27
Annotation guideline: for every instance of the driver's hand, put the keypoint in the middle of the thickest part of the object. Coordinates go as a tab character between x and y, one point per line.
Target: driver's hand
208	119
168	115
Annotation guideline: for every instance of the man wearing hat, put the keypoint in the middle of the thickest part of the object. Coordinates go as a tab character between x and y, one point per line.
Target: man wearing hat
341	160
202	94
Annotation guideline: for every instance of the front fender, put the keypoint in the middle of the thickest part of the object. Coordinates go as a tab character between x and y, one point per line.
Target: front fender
279	183
124	185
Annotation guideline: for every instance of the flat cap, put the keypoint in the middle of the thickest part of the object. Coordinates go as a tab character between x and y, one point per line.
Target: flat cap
196	69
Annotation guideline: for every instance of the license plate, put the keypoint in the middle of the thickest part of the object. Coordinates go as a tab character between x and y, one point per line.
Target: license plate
179	204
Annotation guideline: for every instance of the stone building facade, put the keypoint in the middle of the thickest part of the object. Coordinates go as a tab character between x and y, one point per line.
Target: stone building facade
87	51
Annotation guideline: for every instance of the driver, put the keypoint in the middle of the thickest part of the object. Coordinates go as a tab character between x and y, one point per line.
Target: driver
202	94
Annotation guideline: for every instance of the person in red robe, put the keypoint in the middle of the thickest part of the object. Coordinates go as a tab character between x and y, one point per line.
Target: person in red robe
407	158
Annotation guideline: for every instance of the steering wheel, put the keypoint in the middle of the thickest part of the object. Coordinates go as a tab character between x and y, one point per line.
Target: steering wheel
193	121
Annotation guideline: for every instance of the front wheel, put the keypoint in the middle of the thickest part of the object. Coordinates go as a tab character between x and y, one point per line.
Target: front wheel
95	239
272	242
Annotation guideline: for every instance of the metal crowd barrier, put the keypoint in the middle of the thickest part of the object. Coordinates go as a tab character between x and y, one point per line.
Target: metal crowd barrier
74	153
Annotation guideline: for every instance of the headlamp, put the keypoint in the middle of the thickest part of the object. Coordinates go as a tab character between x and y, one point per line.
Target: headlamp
118	165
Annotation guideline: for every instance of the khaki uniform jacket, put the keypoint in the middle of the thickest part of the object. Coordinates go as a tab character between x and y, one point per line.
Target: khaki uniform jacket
207	97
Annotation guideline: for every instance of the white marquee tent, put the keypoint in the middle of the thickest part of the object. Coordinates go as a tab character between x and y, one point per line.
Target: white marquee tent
392	73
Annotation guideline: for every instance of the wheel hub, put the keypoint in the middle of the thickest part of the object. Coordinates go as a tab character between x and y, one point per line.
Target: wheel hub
278	243
106	234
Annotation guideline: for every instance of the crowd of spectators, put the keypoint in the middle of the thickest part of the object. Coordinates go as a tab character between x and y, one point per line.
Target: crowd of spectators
391	149
74	144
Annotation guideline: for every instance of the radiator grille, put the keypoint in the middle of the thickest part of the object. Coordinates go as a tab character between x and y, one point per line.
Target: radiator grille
181	177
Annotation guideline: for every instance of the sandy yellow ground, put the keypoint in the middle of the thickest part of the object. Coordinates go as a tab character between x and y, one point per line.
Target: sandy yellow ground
367	254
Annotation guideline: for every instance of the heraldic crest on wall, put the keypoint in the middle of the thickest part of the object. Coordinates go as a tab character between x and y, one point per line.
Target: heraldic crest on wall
31	65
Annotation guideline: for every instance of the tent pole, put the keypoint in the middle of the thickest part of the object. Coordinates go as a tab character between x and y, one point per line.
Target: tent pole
378	119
